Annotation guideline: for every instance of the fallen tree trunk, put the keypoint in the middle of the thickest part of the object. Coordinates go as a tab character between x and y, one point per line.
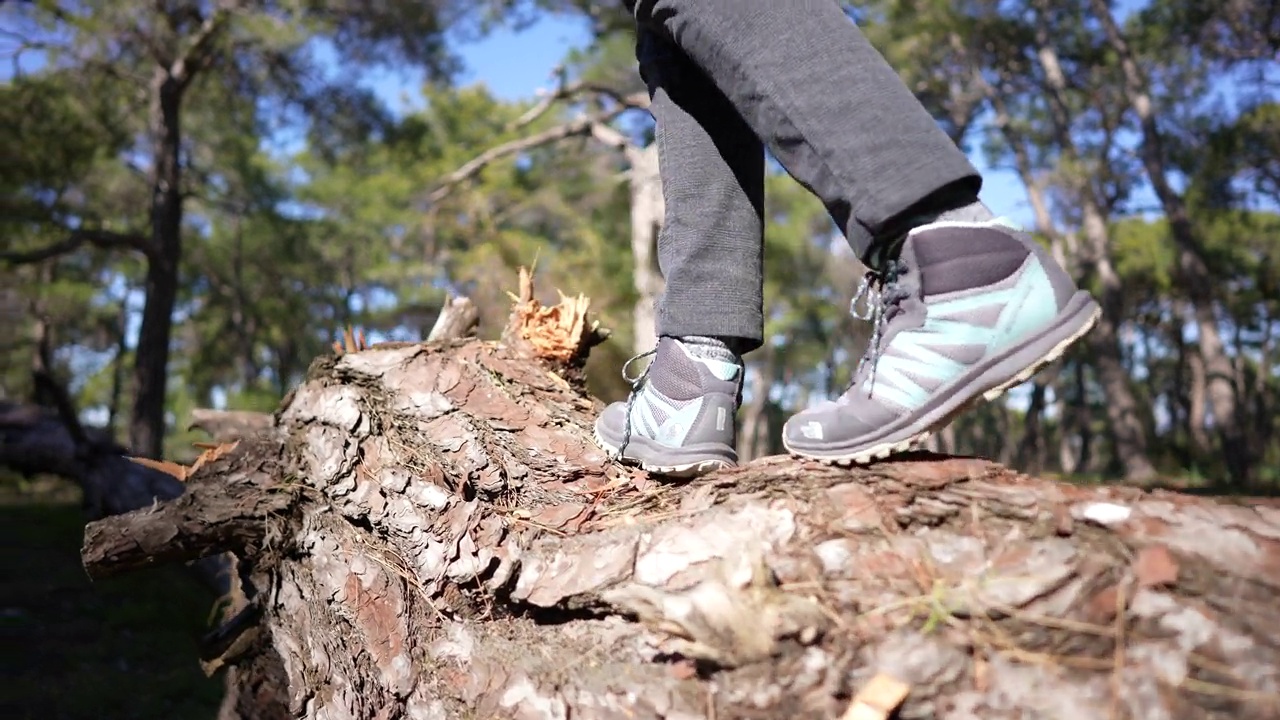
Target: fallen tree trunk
35	440
430	532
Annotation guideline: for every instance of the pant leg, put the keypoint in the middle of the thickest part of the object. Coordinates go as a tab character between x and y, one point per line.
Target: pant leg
826	104
711	246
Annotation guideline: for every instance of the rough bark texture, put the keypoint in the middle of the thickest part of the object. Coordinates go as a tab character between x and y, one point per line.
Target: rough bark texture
428	531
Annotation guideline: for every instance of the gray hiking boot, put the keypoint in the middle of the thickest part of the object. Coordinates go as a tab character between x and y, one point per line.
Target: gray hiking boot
963	313
679	418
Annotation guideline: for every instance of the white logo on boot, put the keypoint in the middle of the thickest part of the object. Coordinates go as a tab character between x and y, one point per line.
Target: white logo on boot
813	430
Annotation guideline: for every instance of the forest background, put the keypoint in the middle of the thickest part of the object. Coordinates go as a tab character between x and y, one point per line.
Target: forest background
198	196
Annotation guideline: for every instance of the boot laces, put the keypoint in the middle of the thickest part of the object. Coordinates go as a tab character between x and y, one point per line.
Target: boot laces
637	384
883	296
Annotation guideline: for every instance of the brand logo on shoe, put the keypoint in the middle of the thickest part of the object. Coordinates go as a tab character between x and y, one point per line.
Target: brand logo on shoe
664	420
812	430
673	433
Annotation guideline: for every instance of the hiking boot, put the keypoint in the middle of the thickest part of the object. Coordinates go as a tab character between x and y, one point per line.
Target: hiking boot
679	418
964	312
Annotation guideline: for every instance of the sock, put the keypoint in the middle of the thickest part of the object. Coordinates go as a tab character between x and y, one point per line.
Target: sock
975	211
711	348
888	245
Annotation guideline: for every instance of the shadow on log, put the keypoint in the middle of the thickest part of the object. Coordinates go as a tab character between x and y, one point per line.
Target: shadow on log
430	532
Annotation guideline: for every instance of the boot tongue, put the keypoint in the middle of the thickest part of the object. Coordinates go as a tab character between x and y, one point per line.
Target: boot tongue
882	252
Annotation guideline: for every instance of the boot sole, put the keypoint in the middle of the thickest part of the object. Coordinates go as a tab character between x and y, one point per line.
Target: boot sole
693	468
885	449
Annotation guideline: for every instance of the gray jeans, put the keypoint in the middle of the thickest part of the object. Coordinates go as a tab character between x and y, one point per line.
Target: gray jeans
730	77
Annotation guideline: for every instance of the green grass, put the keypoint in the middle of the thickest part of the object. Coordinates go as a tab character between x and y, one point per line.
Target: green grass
120	648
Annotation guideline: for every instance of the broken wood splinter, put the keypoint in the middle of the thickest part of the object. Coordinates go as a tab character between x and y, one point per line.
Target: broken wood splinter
877	699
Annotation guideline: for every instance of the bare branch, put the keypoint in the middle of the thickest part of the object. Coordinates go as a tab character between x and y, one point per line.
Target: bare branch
458	318
104	239
594	125
610	137
549	98
580	126
230	425
199	52
63	404
633	101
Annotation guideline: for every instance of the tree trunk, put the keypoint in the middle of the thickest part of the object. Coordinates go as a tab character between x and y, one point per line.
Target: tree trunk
151	360
1129	435
1188	393
1197	413
1031	448
647	208
1005	448
1124	414
946	439
756	438
1104	341
1192	269
429	531
119	367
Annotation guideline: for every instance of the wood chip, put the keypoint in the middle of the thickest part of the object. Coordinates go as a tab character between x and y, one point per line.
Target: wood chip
168	467
352	341
182	472
981	674
1155	566
683	669
878	699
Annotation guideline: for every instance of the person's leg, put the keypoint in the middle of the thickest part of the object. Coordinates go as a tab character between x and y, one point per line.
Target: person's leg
679	419
827	105
964	306
711	246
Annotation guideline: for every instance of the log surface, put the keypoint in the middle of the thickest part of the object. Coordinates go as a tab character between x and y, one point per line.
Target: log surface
439	537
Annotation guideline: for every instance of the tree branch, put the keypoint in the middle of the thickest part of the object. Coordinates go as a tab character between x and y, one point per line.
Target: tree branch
102	239
225	509
229	425
563	91
580	126
458	318
198	53
63	405
594	125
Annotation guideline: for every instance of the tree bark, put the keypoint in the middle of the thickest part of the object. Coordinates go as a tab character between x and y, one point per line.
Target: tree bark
1197	413
429	531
